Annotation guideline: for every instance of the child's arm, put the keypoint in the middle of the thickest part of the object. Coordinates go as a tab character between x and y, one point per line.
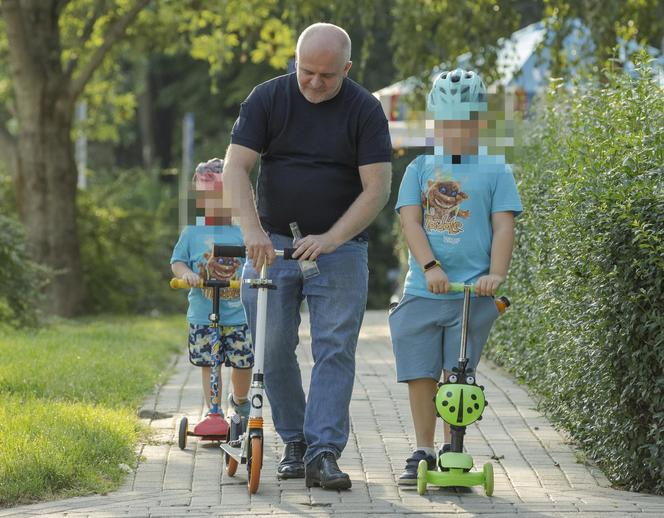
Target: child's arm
501	253
411	225
182	271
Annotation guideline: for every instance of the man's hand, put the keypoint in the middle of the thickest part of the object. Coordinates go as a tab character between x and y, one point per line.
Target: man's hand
311	246
259	249
488	284
437	281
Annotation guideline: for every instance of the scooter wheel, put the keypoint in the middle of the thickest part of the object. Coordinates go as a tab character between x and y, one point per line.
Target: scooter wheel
488	478
182	435
231	465
234	431
254	463
422	469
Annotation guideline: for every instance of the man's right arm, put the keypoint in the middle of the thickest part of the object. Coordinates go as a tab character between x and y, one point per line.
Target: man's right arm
238	164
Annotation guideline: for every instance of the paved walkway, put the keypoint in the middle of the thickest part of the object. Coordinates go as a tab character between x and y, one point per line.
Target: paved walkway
537	473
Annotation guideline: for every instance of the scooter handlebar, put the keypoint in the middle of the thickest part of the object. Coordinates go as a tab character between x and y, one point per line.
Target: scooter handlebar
210	283
241	251
229	251
179	284
502	302
457	287
288	254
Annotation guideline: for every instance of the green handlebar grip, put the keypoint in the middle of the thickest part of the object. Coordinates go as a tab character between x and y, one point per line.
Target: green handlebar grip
502	302
457	287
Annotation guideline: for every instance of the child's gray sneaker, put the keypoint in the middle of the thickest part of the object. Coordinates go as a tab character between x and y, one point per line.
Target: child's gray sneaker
241	409
409	475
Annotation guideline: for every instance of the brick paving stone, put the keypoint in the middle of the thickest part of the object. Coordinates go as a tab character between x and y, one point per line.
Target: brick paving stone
536	470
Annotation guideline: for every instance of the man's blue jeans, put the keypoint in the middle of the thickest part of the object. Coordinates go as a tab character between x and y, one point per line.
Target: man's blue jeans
337	300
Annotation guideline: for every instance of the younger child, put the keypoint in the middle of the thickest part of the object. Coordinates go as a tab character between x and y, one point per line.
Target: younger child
457	211
192	261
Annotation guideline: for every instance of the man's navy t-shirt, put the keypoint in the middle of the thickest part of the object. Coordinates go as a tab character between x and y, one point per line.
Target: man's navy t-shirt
310	153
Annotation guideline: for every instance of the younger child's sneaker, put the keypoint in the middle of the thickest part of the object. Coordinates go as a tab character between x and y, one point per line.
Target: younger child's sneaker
409	475
241	409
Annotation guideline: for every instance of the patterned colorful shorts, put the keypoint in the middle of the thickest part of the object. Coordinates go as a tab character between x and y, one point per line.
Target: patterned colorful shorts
235	350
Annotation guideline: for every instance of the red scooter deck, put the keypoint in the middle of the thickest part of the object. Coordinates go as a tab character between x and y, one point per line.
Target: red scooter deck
213	428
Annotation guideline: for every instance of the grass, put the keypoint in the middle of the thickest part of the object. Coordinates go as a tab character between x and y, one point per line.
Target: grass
68	400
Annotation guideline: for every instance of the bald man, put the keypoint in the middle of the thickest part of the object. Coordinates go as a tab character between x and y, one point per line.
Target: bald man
325	154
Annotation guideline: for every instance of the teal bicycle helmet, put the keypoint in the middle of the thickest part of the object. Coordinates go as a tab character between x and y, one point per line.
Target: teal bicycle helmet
456	94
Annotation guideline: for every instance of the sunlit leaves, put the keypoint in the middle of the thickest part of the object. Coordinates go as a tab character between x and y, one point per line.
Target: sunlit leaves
217	32
276	44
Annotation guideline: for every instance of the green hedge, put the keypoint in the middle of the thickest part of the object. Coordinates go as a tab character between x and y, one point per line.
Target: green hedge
21	279
586	330
128	227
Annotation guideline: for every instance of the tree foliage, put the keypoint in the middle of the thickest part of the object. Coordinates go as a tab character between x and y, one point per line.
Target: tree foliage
607	21
429	33
59	49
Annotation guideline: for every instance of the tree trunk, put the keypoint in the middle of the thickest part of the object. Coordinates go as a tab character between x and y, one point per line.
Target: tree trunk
46	171
144	109
45	93
46	194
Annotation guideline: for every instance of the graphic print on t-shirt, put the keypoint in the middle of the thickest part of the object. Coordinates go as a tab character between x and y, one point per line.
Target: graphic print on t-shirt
442	201
224	293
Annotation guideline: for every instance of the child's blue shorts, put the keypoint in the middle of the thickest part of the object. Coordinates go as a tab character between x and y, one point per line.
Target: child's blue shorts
426	334
235	349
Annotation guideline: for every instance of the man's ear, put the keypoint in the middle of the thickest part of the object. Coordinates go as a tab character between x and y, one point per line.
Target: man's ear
347	68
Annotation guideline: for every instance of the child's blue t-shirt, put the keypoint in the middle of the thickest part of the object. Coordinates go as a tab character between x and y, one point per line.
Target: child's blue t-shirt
193	244
457	202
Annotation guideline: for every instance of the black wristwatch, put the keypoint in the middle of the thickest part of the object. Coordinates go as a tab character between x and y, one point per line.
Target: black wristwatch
431	264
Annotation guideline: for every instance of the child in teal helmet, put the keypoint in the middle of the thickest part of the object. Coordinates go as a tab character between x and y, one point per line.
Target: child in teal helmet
457	210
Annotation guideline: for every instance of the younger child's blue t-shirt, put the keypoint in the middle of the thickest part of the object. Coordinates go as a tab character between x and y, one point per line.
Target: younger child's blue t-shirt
194	243
457	202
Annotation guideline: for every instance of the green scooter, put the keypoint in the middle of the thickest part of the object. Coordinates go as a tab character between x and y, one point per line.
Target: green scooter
459	402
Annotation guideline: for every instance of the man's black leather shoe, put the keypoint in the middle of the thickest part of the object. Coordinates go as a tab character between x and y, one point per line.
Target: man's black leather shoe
291	464
323	471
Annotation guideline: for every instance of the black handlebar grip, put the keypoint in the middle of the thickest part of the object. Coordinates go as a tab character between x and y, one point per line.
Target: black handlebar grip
288	254
216	283
229	251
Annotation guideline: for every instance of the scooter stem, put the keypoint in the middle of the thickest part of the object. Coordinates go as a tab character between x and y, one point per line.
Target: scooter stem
259	352
464	325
